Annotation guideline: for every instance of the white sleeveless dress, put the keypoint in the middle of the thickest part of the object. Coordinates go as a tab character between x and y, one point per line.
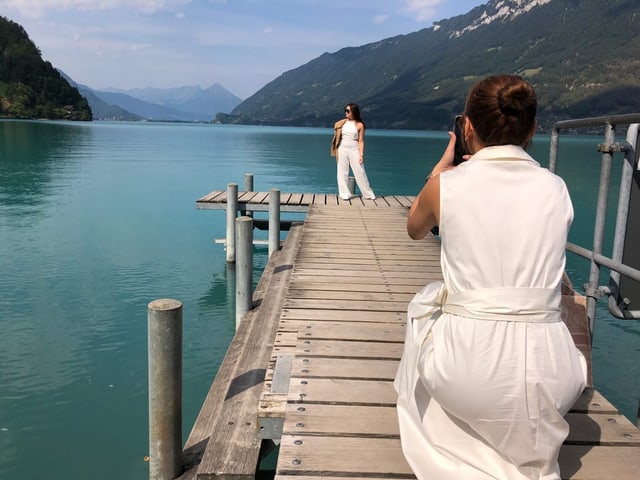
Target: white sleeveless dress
489	369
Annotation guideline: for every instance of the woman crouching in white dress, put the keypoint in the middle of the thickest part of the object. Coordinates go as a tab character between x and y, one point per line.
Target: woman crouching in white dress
489	368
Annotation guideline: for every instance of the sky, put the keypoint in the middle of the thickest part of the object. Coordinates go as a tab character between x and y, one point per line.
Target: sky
240	44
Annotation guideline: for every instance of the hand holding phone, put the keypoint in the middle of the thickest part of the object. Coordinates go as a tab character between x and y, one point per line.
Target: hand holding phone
460	148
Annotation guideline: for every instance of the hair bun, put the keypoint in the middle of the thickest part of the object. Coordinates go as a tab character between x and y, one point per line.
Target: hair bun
514	98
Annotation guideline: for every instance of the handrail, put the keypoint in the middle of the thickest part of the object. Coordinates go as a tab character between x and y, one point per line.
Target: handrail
617	306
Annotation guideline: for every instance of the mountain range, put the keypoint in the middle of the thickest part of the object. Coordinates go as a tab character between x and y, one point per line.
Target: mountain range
181	104
581	56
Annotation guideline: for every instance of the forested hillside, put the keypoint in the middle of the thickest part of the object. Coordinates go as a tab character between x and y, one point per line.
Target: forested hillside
582	57
31	87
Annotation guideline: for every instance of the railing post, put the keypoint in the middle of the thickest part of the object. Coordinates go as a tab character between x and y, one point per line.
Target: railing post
352	185
599	226
164	319
244	267
274	220
248	187
232	210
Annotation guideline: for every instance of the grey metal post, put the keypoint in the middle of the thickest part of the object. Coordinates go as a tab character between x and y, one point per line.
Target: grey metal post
352	185
553	150
232	211
598	228
244	267
274	220
164	319
248	187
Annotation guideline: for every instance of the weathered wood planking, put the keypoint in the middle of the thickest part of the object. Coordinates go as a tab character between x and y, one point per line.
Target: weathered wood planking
340	419
340	308
295	202
224	440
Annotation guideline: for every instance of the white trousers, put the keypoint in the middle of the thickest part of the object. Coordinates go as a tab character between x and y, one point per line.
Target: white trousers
350	158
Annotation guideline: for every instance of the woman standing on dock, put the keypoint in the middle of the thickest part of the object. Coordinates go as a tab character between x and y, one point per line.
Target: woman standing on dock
348	148
489	368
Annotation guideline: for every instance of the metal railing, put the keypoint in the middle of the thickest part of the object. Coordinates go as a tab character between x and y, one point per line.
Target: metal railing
617	305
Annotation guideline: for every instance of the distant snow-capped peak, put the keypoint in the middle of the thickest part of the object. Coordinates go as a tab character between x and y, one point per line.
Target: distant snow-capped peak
497	10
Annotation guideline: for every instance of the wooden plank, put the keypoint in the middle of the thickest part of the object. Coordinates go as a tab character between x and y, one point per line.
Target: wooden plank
417	280
602	430
326	419
261	198
346	305
363	457
295	199
586	462
341	263
331	251
309	270
284	339
329	245
341	349
382	458
329	294
592	401
370	260
341	420
309	284
405	201
393	201
320	477
363	332
307	199
320	199
284	198
342	391
342	315
364	369
245	197
211	197
224	439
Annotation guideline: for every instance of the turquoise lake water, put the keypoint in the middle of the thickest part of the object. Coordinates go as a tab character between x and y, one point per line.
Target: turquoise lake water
98	219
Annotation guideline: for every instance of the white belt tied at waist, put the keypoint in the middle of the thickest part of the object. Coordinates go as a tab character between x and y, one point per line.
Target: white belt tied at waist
536	305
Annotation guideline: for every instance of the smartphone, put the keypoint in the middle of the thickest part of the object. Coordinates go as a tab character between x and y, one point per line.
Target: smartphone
460	147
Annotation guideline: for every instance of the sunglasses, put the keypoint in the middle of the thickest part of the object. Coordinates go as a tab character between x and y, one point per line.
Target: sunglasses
346	110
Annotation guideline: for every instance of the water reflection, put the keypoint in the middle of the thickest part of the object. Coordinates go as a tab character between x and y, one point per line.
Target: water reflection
31	154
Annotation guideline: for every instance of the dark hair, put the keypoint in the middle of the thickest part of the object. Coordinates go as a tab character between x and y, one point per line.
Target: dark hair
355	112
502	110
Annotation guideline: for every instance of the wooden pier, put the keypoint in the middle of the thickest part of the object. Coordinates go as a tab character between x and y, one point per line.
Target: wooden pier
296	202
311	366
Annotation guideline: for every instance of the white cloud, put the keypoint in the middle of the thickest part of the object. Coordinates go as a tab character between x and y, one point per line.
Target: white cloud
380	19
35	8
422	10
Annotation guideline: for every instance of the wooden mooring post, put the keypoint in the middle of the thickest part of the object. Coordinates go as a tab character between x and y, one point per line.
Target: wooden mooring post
244	267
164	318
232	212
248	187
274	220
239	241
